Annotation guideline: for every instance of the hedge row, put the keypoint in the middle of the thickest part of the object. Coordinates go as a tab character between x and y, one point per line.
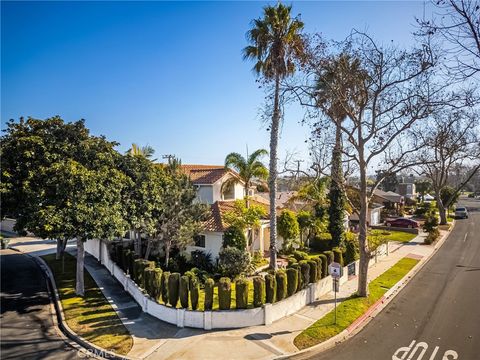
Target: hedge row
172	288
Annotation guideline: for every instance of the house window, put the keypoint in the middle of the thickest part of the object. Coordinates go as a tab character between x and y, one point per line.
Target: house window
199	240
228	191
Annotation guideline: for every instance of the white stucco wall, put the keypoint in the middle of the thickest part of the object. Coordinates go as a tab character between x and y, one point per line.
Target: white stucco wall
205	194
213	319
213	244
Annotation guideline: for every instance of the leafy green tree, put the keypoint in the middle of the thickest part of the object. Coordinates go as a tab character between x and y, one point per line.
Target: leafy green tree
275	42
248	168
288	227
449	196
245	218
423	187
143	196
305	223
180	217
234	237
70	180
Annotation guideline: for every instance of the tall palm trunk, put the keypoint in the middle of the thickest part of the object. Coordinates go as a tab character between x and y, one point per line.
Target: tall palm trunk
272	180
80	285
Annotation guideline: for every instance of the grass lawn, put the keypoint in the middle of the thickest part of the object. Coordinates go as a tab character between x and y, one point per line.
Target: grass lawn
352	308
400	236
91	317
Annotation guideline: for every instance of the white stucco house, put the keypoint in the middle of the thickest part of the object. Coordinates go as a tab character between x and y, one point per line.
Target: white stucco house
215	187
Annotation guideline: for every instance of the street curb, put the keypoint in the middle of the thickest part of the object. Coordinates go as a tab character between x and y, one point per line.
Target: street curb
373	310
90	350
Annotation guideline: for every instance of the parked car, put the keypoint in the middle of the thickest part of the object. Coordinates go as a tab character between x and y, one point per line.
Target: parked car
461	213
402	222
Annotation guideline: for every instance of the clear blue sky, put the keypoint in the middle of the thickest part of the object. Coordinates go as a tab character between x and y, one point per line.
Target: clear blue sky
166	74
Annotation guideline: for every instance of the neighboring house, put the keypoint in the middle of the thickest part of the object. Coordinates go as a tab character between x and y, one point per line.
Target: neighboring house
407	190
220	187
285	200
373	215
389	199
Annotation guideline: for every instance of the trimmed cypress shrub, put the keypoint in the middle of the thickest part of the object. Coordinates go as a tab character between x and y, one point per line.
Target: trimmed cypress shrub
329	255
270	288
338	256
137	268
319	267
299	276
124	262
281	279
119	255
305	273
130	257
224	293
258	291
173	285
194	292
324	260
145	265
164	286
156	283
313	271
292	281
148	280
241	293
209	285
183	291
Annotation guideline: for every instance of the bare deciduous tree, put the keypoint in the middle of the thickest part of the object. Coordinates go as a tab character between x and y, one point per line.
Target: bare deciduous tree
456	25
451	140
394	93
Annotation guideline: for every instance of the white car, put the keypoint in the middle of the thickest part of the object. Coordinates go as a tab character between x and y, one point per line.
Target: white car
461	213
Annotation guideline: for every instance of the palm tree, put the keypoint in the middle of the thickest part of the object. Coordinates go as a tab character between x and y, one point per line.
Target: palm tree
275	43
339	79
248	168
144	151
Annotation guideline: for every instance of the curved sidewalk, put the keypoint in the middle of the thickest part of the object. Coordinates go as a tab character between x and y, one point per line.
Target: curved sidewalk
154	339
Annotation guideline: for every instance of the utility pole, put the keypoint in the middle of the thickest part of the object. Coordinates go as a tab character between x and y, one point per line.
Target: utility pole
169	157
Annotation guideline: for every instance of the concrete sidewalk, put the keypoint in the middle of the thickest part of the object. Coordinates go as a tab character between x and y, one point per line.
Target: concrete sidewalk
154	339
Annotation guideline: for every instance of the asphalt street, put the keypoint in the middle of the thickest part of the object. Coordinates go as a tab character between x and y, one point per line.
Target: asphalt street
436	316
27	330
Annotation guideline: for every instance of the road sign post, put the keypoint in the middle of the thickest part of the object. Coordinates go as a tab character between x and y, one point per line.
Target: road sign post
336	271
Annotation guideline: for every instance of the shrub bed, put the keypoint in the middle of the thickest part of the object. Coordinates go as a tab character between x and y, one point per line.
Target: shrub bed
292	281
241	293
281	279
224	293
270	288
258	291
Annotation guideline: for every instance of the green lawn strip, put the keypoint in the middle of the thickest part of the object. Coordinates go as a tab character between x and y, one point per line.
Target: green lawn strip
91	317
400	236
353	307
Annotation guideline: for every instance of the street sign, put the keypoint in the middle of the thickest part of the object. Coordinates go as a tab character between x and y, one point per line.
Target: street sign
336	285
335	270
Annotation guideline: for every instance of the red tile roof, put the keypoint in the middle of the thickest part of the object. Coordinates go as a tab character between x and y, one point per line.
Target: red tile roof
206	174
215	221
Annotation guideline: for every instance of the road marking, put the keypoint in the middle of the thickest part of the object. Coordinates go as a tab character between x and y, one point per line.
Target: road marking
465	237
413	354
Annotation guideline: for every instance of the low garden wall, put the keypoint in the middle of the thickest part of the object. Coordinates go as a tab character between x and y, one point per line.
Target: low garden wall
216	319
